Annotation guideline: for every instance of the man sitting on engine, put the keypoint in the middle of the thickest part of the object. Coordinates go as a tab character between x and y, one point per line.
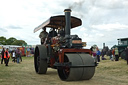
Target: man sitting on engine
43	35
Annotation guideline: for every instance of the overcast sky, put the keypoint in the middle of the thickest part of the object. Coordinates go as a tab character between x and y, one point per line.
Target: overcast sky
103	21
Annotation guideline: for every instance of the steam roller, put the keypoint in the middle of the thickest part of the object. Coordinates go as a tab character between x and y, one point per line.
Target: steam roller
63	51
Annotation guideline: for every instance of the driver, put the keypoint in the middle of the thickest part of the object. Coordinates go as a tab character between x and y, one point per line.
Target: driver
43	35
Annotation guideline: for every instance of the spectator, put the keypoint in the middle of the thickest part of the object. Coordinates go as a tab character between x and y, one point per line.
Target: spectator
6	57
127	55
113	54
2	54
103	53
32	51
94	55
98	55
18	55
13	56
110	54
116	54
28	52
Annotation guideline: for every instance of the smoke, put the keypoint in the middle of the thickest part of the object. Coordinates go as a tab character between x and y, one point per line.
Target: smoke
77	7
76	4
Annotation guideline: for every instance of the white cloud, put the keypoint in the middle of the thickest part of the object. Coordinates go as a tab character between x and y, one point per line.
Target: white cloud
83	29
110	27
100	35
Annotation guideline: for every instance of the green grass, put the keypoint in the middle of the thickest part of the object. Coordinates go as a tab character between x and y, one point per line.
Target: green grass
107	73
15	73
113	72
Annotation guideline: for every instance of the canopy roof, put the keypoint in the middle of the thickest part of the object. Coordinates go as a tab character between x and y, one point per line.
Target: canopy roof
59	22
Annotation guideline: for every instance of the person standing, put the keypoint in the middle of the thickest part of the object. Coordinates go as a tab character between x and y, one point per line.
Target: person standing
2	58
103	53
28	52
6	57
18	55
13	56
116	54
127	55
113	53
98	55
110	54
94	55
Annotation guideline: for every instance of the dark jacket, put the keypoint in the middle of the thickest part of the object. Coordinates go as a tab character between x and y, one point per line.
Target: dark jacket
2	53
17	53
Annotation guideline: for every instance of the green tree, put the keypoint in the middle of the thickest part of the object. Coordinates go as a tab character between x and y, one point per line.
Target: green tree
10	40
2	40
19	42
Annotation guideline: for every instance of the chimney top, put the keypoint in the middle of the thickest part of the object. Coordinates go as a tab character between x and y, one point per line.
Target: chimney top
67	10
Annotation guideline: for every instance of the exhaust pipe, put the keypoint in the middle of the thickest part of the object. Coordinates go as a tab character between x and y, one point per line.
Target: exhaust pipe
68	27
68	22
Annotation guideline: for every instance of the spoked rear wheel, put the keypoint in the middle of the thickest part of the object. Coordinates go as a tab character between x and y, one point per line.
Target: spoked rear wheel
40	59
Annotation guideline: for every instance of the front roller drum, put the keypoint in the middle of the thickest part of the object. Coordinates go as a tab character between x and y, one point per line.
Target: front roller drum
84	70
40	61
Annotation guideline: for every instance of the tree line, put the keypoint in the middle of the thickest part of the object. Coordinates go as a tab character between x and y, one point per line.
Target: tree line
11	41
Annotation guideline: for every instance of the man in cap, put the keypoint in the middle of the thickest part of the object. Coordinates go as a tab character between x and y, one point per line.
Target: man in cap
43	35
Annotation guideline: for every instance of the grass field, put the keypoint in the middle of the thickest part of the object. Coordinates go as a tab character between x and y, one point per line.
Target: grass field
107	73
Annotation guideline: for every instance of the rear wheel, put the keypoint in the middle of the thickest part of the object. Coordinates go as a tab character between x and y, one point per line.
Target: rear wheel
40	59
81	73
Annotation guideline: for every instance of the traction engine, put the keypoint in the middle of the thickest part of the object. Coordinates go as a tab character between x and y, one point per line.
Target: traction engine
63	51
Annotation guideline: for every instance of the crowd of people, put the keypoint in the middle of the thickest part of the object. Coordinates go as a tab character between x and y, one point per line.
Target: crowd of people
113	53
15	55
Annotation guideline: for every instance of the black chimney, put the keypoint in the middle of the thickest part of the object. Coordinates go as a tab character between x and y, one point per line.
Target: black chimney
103	45
68	22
